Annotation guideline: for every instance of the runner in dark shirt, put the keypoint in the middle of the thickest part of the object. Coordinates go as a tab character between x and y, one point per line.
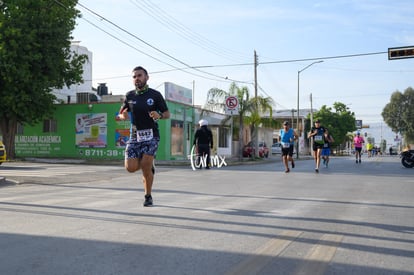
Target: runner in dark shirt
146	107
317	135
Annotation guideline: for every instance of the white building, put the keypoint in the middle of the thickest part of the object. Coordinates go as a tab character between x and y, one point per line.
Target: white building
83	92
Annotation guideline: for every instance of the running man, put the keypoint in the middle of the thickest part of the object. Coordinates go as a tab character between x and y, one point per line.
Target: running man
287	138
317	135
146	106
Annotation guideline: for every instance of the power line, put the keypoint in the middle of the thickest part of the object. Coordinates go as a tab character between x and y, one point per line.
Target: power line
220	78
127	44
155	48
157	59
291	60
174	25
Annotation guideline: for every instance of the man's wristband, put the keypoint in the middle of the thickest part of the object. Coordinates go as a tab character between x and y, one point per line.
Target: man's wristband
161	115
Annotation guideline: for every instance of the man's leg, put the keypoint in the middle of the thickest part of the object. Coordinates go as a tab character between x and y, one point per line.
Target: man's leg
131	162
285	162
203	157
318	159
208	152
147	175
290	156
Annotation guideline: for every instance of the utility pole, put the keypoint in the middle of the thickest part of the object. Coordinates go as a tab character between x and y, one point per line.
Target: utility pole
311	116
311	124
256	132
255	74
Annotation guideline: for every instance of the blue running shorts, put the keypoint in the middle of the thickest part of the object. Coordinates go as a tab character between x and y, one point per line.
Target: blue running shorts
136	149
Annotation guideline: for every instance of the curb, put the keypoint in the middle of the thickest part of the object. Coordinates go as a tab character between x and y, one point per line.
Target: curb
229	161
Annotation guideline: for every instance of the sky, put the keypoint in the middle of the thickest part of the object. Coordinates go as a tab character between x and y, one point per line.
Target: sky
208	44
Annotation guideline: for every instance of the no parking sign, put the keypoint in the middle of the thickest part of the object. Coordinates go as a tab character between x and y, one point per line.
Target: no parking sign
232	105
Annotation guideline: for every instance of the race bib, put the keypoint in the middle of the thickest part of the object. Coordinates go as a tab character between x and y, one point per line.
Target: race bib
144	135
285	145
318	139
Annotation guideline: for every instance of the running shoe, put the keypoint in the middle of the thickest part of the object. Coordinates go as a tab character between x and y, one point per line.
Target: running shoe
148	200
293	164
316	170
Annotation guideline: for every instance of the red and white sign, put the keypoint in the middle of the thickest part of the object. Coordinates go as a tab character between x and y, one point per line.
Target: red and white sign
232	105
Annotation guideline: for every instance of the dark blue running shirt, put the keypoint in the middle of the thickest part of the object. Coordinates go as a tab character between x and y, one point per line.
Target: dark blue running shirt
140	104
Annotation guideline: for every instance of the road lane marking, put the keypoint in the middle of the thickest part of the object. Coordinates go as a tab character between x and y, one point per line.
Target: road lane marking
318	258
260	258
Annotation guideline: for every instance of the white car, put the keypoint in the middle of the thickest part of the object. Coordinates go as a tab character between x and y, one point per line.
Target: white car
276	148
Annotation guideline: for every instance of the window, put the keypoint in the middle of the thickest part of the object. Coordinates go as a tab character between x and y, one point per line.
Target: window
224	137
49	126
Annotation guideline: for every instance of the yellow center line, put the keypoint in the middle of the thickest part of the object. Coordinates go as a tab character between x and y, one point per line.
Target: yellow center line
260	257
320	255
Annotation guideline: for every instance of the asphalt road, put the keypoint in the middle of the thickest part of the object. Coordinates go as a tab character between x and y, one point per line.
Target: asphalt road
243	219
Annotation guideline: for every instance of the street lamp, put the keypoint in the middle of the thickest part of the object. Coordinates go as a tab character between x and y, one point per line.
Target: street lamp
297	118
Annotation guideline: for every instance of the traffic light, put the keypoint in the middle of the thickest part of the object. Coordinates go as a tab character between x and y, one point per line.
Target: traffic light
401	52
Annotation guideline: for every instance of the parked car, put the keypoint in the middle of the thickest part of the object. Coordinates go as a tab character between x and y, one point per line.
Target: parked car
248	150
3	154
276	148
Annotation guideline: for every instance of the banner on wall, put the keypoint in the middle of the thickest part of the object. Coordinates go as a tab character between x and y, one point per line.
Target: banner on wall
91	130
121	131
178	93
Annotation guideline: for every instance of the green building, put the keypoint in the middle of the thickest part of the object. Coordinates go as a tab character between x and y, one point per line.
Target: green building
92	131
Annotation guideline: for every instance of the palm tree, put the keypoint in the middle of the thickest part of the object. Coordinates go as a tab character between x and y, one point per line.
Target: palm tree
250	109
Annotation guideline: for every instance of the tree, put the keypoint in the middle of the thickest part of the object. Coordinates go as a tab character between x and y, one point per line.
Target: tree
398	114
35	57
339	122
248	112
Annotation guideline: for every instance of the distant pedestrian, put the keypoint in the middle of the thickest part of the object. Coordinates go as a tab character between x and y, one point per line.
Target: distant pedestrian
203	140
317	135
358	143
326	150
370	149
287	138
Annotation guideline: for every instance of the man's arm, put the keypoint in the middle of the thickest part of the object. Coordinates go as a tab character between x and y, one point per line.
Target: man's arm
166	114
123	113
312	133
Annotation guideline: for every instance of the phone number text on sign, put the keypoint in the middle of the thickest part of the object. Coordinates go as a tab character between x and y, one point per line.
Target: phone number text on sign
103	153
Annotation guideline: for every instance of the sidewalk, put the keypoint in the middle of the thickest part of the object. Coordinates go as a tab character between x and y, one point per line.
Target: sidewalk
182	162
